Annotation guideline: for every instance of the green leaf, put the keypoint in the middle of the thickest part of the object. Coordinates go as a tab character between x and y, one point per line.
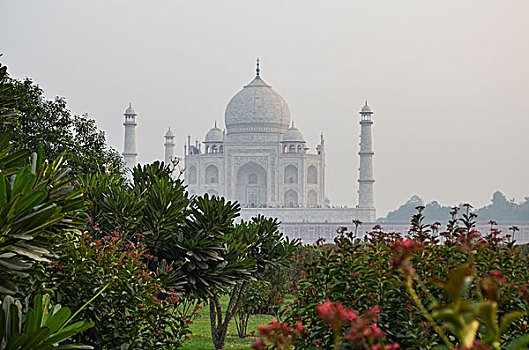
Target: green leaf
69	331
57	319
14	319
16	341
15	264
7	287
508	319
520	343
2	325
37	338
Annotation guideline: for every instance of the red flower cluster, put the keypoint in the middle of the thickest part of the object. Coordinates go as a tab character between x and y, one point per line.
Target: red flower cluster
402	253
363	330
335	314
279	334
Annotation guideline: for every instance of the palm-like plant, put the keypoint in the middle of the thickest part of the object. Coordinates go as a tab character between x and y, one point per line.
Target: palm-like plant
44	326
36	202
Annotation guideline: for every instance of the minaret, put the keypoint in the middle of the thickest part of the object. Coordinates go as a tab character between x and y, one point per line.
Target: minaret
169	146
321	152
129	143
366	179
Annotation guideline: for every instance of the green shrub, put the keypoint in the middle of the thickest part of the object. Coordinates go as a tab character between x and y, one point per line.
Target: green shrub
135	310
359	275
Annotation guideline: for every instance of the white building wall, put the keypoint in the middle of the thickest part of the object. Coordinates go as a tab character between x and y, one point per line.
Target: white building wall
312	215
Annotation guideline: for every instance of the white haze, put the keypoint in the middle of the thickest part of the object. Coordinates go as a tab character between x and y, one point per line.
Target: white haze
448	80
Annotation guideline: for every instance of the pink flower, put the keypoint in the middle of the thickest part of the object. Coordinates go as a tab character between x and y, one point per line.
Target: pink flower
259	345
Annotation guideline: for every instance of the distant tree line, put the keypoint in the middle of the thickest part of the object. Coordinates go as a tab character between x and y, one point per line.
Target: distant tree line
500	209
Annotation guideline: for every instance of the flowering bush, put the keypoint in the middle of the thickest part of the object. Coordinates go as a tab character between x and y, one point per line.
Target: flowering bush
362	275
135	310
280	335
348	327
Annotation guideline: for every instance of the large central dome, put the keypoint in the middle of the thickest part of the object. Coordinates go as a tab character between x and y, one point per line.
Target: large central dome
257	108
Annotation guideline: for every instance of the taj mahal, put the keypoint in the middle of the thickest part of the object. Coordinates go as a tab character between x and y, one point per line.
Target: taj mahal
262	161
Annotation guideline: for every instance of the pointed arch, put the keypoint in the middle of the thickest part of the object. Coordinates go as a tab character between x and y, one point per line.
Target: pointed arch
291	199
212	174
192	175
251	185
312	199
291	174
312	175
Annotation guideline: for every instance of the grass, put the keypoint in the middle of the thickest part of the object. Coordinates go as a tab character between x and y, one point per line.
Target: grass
200	338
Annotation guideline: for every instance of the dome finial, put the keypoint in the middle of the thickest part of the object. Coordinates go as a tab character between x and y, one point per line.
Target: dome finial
215	123
292	123
257	70
366	102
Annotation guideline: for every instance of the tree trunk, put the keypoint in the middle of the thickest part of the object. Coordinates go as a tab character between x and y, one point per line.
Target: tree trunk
219	327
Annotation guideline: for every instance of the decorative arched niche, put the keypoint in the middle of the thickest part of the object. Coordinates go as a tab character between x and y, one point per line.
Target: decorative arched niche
212	174
192	175
251	185
291	199
291	174
312	199
312	175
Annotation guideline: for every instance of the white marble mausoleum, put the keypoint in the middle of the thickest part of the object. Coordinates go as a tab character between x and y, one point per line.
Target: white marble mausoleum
262	161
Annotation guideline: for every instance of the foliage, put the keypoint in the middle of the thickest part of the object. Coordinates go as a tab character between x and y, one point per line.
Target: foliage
348	327
500	207
48	124
359	275
36	202
200	337
195	247
126	224
205	252
211	256
280	335
461	316
262	245
508	210
153	204
266	295
44	326
135	310
7	101
255	300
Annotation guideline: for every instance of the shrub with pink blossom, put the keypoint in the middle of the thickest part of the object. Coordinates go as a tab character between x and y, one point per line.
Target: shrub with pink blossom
361	275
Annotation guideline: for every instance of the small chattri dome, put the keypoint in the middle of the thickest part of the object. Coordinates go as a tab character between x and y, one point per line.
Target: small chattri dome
130	110
169	133
293	135
366	109
214	135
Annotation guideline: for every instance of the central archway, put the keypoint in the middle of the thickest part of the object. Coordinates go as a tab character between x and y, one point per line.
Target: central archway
250	186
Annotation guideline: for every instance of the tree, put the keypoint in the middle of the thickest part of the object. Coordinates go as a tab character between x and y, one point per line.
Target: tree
212	257
197	249
267	249
48	124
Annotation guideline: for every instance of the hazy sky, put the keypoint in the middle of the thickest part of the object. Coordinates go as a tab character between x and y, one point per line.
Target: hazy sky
447	79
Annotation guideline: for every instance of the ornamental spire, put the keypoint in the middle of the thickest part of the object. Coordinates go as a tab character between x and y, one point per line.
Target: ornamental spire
257	70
